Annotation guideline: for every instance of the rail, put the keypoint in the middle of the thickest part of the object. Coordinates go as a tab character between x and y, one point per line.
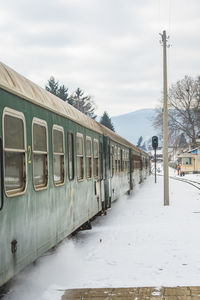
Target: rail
191	182
196	184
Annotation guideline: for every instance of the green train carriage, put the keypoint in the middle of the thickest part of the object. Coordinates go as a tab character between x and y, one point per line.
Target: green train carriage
59	169
48	191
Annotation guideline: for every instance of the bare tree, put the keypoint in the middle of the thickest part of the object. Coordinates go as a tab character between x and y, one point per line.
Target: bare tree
183	109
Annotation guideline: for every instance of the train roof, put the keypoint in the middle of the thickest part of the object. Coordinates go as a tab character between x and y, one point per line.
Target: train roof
17	84
114	136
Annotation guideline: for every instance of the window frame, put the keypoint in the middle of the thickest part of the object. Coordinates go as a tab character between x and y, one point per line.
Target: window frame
61	129
122	159
96	157
43	123
185	161
112	160
69	172
116	159
16	114
127	160
90	157
119	159
80	135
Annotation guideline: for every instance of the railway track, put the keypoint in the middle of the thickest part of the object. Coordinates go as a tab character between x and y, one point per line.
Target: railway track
196	184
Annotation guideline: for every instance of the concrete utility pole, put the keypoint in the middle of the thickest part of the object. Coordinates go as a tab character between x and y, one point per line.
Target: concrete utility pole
165	122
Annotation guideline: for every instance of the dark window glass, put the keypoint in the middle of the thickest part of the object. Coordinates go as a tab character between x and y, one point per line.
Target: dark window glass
39	170
71	155
58	141
88	157
112	161
96	158
14	132
14	171
40	138
79	156
58	156
14	155
40	156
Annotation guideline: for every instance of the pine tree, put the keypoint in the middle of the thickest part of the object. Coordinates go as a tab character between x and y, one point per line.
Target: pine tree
58	90
77	99
106	121
83	103
139	141
143	147
52	86
63	93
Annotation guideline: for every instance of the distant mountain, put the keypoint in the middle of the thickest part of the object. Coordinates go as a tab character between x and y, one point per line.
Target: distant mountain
135	124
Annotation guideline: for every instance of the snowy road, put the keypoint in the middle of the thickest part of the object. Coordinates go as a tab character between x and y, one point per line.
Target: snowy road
138	243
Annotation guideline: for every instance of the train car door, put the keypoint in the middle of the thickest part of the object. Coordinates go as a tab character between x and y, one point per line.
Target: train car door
102	172
111	166
98	172
108	167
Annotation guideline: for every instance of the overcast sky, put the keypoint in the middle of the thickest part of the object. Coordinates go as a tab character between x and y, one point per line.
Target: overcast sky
108	48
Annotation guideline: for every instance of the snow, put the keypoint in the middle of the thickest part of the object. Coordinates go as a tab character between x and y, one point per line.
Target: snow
140	242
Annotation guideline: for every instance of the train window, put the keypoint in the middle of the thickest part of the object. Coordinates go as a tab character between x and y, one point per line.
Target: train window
109	158
96	158
112	161
146	163
14	152
119	160
71	155
141	164
122	159
88	157
40	154
102	171
79	156
125	168
127	160
58	155
115	159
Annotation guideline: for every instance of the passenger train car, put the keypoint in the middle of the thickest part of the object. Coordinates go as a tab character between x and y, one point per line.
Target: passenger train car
58	169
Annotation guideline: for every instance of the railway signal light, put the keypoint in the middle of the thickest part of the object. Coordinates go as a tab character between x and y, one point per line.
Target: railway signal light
155	146
155	142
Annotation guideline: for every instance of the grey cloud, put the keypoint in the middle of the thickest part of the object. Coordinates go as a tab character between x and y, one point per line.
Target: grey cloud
110	48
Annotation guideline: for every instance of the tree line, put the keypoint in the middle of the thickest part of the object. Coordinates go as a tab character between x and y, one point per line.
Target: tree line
79	100
183	110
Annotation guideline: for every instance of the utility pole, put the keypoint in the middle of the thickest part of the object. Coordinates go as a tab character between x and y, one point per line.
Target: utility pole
165	122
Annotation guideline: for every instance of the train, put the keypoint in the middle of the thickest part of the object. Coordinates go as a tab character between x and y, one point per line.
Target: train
58	169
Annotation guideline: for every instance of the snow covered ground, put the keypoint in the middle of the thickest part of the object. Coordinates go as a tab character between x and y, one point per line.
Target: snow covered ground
140	242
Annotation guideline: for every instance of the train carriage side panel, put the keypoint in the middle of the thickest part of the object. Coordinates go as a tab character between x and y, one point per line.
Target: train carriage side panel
34	221
16	217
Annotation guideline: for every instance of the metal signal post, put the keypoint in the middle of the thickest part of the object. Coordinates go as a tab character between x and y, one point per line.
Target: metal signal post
155	146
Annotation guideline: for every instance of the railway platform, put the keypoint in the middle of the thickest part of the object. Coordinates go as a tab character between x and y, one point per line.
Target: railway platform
137	293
